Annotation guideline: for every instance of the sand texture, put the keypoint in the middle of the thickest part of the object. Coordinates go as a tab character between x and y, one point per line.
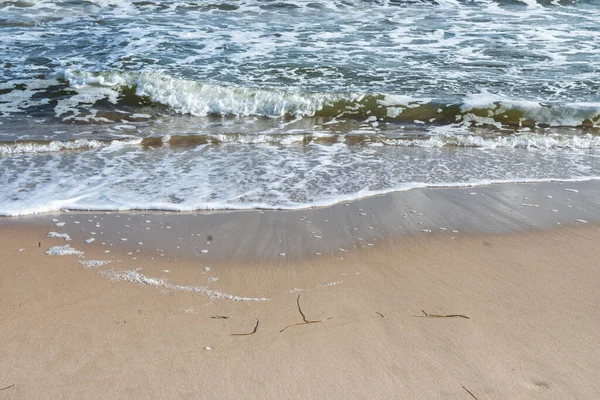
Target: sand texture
526	324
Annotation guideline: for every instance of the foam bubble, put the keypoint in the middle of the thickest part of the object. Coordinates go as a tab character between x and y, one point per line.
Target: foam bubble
65	250
268	177
59	235
136	277
54	146
93	263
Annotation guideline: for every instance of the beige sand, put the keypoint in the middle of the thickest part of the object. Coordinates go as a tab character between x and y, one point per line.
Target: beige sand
531	298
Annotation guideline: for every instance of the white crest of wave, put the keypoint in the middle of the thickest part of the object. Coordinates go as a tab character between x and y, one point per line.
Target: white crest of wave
189	97
200	99
54	146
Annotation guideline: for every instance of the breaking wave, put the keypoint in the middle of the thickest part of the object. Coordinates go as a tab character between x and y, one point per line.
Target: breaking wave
184	96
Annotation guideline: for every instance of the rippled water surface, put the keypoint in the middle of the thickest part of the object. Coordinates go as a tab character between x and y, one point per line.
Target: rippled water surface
284	104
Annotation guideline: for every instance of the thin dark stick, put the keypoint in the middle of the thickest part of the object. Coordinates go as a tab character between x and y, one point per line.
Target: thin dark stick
300	309
379	314
306	321
219	317
8	387
246	334
441	316
468	391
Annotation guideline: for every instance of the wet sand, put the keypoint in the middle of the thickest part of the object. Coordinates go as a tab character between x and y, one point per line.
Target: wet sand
520	298
263	235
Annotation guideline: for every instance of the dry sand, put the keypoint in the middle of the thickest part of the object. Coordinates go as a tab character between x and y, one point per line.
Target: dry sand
531	300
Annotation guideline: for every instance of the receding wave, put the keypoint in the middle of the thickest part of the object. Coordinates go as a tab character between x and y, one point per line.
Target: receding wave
181	174
522	141
233	5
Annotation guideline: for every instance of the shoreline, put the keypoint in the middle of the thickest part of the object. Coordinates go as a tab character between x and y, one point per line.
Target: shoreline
497	312
274	235
317	205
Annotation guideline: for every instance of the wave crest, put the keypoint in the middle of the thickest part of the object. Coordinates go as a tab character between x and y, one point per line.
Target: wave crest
203	99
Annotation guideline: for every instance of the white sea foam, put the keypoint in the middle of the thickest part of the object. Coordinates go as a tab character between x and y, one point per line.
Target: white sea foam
523	141
94	263
65	250
272	177
54	146
196	98
444	136
402	100
59	235
136	277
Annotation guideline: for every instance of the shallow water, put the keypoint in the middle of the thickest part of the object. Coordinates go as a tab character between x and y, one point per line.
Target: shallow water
240	104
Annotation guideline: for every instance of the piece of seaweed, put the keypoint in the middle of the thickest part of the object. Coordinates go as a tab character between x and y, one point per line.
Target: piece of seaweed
304	320
468	391
425	315
246	334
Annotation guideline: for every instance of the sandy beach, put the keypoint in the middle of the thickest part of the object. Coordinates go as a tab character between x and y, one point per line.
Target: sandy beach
476	313
309	199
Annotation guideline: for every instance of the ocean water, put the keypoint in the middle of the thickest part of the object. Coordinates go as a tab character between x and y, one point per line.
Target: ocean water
236	104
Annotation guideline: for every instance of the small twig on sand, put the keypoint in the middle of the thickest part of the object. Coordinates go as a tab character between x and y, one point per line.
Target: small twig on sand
246	334
8	387
425	315
468	391
306	321
379	314
219	317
